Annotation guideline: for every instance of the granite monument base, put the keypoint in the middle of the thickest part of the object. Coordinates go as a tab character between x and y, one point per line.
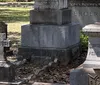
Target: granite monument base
50	36
44	43
42	56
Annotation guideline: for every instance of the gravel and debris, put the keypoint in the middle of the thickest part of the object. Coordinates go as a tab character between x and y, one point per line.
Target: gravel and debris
55	73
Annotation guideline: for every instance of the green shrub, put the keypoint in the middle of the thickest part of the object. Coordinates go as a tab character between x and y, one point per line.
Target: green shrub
84	41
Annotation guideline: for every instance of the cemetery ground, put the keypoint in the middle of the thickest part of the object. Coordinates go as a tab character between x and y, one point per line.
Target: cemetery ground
57	73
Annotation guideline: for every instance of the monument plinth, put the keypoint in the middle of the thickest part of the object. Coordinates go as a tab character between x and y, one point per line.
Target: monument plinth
50	34
93	56
92	62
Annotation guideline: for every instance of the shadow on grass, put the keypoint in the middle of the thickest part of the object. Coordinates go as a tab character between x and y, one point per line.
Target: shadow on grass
9	15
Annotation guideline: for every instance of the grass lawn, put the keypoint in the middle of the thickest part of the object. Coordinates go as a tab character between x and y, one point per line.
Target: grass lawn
14	17
11	14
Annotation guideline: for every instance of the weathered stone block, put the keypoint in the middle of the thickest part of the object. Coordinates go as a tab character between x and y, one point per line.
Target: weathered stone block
7	72
85	15
47	42
43	56
50	36
50	16
3	27
83	77
50	4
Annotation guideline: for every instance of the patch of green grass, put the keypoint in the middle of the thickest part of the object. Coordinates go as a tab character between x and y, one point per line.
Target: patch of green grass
16	27
14	32
12	14
15	17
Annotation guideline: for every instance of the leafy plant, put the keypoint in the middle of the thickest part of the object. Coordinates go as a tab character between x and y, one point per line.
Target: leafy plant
84	41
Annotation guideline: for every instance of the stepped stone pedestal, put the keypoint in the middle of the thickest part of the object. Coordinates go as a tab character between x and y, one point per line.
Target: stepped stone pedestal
50	34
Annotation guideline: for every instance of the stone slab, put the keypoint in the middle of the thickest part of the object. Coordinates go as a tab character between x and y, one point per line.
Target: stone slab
92	30
50	4
50	36
83	77
50	16
91	64
12	83
43	83
85	15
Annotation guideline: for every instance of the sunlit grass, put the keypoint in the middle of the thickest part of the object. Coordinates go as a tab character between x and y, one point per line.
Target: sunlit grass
15	27
14	32
14	17
14	14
